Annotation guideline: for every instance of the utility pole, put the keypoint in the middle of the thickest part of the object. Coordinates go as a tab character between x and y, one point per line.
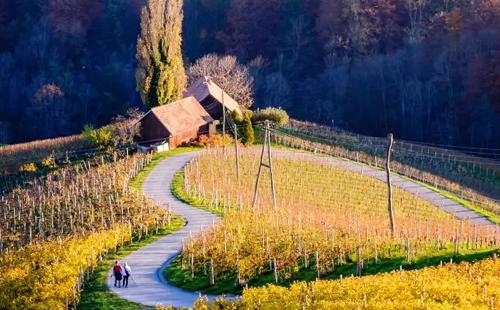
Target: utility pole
390	142
269	165
223	125
236	152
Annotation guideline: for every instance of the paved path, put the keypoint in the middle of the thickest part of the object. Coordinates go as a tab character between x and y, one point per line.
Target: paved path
149	287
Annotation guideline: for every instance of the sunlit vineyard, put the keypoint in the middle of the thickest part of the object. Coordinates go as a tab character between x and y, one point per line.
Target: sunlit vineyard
15	155
53	232
326	217
464	286
473	178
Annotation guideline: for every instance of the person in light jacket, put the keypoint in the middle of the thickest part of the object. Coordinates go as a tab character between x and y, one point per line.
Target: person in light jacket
127	272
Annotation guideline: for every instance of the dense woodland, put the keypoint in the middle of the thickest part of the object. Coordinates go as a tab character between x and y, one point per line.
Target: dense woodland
425	70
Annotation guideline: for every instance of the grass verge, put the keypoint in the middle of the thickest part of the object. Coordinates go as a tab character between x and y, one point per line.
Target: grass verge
492	217
178	190
227	283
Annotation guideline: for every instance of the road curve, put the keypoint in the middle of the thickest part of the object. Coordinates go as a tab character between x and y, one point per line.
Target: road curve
148	286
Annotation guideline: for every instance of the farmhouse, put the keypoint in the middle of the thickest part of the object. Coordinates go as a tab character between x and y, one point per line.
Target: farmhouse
167	126
170	125
212	97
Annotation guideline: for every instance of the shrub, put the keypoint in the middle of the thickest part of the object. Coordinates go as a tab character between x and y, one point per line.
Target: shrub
49	161
275	115
237	117
248	136
213	140
29	167
102	138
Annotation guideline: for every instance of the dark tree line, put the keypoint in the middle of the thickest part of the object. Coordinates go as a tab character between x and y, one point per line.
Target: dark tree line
425	70
65	63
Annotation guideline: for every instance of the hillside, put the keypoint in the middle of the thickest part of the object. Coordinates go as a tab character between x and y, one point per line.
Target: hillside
249	154
424	70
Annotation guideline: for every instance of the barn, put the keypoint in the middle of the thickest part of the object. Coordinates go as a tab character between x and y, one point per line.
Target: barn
173	124
212	97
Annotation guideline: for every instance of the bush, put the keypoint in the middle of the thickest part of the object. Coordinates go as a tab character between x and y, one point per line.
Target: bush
275	115
248	136
102	138
213	140
49	161
29	167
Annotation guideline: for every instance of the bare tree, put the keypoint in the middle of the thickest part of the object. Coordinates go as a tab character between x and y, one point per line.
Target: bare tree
230	75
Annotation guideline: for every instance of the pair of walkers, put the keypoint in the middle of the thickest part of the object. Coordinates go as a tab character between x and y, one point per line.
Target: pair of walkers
121	273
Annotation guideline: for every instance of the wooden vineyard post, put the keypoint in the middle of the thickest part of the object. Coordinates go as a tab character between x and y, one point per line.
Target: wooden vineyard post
269	165
236	152
390	142
275	271
212	273
223	125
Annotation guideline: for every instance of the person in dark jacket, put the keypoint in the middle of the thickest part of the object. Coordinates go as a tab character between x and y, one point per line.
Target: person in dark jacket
117	272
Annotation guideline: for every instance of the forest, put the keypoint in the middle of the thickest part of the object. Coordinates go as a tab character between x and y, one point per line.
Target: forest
425	70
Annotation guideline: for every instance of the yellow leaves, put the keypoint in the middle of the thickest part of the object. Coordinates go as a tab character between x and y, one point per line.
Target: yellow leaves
446	287
44	276
29	167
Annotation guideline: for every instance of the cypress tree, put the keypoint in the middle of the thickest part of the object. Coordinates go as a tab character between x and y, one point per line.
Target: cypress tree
248	133
160	72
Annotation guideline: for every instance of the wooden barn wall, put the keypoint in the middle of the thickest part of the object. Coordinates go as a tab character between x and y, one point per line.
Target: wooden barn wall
152	129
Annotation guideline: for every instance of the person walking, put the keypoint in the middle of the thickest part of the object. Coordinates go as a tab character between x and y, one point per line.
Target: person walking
127	272
117	272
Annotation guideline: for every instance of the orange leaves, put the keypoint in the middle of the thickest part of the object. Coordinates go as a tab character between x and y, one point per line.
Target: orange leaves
48	92
454	21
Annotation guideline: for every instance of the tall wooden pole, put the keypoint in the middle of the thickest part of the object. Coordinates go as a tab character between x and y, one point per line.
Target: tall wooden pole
269	165
273	191
259	171
223	125
390	142
237	155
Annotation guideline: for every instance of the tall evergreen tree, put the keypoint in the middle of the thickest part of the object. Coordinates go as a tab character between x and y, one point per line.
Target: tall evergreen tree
160	72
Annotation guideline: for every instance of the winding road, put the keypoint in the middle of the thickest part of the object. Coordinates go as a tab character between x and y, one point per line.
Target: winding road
149	287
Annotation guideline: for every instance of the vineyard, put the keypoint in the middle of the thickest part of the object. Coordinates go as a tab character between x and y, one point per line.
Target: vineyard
54	232
463	286
474	179
326	218
13	156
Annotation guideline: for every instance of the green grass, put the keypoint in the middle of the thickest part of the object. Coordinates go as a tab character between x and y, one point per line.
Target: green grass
178	190
227	283
95	294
